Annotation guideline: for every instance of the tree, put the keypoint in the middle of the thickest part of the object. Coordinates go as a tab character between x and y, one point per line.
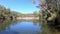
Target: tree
7	13
51	9
36	13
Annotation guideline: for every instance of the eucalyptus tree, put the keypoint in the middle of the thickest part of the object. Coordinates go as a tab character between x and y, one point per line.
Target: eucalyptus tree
49	9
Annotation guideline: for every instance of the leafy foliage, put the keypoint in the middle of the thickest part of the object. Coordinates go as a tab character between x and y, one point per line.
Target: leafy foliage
7	13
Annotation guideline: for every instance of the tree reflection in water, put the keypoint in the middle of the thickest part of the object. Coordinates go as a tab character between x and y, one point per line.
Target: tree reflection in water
5	23
44	29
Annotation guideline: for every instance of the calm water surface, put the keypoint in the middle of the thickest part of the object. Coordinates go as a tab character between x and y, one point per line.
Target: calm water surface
23	27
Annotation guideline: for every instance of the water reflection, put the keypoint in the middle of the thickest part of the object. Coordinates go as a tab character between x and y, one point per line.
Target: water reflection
6	23
25	27
46	29
19	27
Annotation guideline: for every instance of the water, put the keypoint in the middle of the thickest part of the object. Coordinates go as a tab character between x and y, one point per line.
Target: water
22	27
25	27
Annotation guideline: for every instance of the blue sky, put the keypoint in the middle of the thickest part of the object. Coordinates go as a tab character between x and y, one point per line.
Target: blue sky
23	6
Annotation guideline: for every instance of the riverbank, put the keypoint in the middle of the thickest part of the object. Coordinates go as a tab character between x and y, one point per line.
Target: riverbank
27	18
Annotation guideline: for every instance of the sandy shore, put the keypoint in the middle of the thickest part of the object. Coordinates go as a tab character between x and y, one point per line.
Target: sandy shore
27	18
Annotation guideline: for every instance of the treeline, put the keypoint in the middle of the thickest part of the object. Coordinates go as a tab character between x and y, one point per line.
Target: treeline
35	14
50	13
6	13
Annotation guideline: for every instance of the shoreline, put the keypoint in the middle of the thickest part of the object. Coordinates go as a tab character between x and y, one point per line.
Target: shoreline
27	18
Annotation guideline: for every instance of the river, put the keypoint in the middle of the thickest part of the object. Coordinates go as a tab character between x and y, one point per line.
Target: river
20	27
23	27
